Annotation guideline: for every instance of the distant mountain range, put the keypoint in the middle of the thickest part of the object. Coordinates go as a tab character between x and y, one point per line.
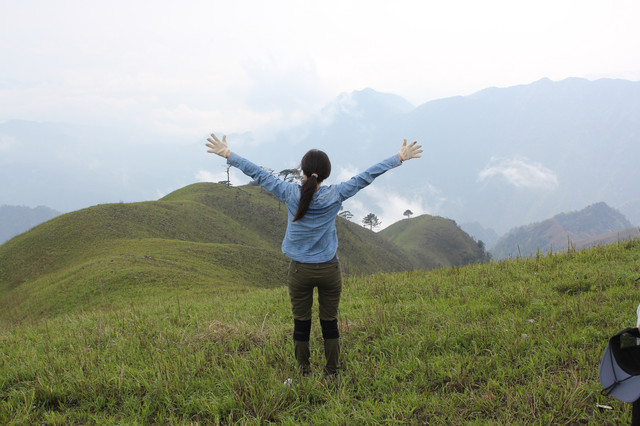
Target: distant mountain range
15	220
502	157
479	233
596	224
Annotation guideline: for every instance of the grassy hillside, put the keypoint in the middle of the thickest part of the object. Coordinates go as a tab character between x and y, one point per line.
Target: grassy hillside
203	237
434	242
360	250
513	342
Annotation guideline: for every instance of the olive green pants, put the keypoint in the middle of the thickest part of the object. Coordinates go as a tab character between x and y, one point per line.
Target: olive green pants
302	279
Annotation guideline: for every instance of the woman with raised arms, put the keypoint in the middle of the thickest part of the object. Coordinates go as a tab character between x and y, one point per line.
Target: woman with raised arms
311	241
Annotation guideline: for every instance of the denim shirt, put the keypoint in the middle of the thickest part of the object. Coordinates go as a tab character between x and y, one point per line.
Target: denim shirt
312	238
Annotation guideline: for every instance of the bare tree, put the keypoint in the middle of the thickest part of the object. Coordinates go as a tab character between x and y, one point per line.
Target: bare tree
372	221
346	214
228	181
289	175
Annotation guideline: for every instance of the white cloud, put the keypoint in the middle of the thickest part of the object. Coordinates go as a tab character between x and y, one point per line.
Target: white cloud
207	176
236	178
521	173
345	173
63	60
281	86
390	206
6	142
342	104
386	203
357	208
194	122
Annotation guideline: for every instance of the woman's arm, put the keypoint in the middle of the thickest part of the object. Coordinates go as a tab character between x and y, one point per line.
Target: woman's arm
349	188
278	187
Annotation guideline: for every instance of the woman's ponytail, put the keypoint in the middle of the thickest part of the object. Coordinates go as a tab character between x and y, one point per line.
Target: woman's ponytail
306	195
316	167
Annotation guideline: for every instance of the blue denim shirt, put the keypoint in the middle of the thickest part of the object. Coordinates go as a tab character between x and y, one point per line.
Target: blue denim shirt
313	238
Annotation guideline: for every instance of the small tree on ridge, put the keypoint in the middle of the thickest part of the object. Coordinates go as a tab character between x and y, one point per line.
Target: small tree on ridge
372	221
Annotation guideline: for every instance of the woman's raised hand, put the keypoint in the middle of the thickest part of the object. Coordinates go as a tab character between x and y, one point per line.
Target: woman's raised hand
407	152
217	146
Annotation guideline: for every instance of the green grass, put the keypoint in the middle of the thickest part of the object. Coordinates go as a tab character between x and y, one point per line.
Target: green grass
139	270
512	342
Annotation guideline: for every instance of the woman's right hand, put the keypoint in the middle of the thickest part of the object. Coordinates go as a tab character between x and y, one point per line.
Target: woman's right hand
218	146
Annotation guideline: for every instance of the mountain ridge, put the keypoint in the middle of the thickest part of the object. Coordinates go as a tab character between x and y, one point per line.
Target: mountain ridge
597	222
533	149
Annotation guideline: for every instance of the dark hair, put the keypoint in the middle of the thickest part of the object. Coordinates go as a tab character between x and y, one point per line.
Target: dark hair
314	162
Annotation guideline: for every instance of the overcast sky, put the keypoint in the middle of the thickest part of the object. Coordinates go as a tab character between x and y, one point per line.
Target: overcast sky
187	67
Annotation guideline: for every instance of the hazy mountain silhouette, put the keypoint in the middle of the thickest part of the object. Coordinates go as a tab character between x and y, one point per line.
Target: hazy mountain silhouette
500	157
479	233
15	220
562	232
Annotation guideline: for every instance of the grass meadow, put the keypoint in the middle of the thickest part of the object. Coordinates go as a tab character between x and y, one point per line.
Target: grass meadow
511	342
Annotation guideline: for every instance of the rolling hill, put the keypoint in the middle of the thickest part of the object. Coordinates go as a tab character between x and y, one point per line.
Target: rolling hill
434	241
105	256
204	238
